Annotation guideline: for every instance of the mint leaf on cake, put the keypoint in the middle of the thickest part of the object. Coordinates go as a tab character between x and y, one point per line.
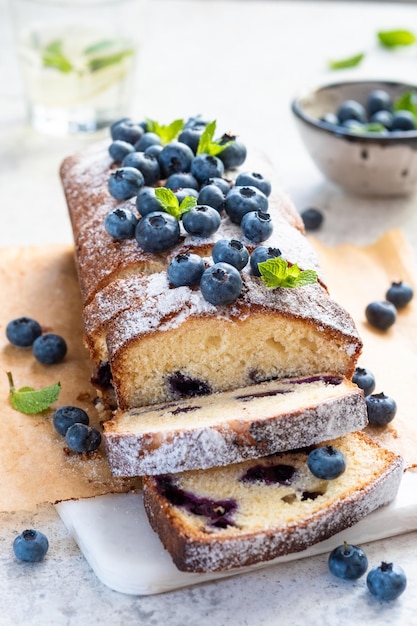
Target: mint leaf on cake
277	272
166	132
170	203
31	401
208	145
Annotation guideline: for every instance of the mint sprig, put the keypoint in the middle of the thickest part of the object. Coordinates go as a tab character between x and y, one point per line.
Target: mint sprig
277	272
166	132
54	57
407	101
98	63
352	61
207	144
170	203
394	38
31	401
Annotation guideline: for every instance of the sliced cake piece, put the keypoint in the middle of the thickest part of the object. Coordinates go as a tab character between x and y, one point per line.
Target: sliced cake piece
233	426
255	511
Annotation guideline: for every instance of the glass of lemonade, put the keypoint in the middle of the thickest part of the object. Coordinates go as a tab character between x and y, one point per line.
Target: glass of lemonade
78	60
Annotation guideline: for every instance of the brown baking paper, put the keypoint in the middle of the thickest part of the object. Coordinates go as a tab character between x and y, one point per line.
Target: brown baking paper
42	283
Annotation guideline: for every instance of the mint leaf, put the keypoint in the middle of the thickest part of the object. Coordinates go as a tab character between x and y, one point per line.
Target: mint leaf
407	101
167	132
98	63
54	57
207	145
372	127
278	273
169	202
100	46
30	401
393	38
342	64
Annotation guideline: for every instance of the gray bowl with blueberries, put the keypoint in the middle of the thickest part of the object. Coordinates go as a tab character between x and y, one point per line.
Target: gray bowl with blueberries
362	135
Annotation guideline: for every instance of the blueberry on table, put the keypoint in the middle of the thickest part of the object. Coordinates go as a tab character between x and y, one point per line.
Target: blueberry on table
185	192
191	136
213	196
242	200
157	232
175	157
256	226
147	202
119	149
364	379
66	416
221	284
254	179
403	120
381	314
223	184
125	182
126	130
146	141
378	100
121	224
326	462
31	546
312	218
230	251
381	409
201	221
82	438
399	294
348	562
386	582
49	348
351	110
234	155
180	180
23	331
147	164
261	254
185	270
206	166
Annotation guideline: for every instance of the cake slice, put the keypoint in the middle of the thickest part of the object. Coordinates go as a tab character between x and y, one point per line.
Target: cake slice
247	513
233	426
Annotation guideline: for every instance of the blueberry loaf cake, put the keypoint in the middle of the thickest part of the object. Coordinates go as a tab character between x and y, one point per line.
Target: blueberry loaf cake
232	426
251	512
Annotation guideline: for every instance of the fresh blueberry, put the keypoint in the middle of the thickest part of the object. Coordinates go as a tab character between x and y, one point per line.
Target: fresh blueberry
206	166
351	110
312	218
384	118
381	409
364	379
119	149
49	348
120	224
154	150
31	546
125	182
221	284
201	221
230	251
241	200
147	164
185	192
222	183
23	331
261	254
185	269
213	196
175	157
66	416
126	130
147	202
381	314
147	140
157	232
256	226
196	121
386	582
181	180
378	100
348	562
234	155
82	438
399	294
326	462
403	120
191	136
254	179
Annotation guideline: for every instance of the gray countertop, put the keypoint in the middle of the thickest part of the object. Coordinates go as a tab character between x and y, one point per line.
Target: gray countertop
239	62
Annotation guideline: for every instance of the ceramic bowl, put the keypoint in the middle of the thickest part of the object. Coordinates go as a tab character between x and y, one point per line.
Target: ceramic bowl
364	164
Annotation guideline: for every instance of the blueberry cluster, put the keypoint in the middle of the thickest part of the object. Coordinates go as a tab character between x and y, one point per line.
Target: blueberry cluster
47	348
382	314
381	408
380	114
72	422
385	582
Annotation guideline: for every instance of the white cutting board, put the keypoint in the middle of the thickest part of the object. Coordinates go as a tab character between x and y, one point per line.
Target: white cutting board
115	537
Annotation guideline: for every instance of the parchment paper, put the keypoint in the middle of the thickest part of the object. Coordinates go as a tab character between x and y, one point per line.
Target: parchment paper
42	283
